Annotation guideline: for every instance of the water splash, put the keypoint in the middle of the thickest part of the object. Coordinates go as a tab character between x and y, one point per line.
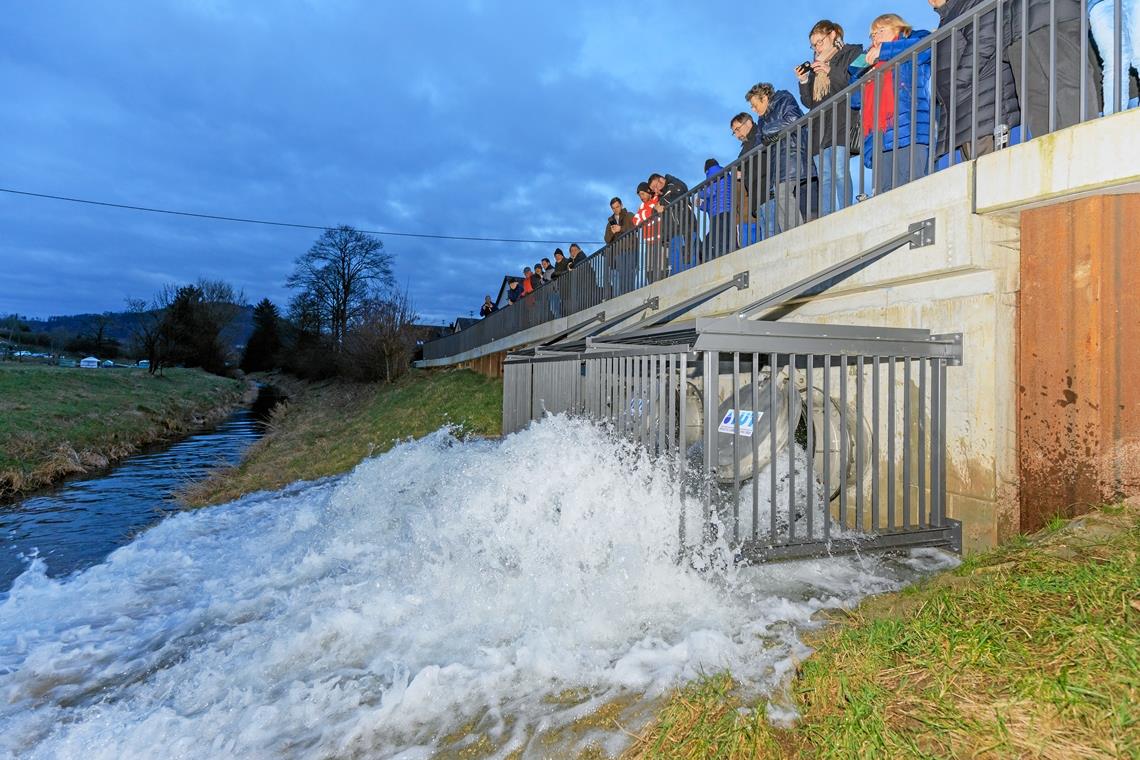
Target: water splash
439	592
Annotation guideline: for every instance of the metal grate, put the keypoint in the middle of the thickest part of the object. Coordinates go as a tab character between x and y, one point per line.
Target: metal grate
795	440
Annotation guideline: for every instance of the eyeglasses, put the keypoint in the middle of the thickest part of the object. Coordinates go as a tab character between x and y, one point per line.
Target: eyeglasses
876	32
738	128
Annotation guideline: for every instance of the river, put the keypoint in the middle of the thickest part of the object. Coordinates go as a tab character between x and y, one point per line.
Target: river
473	596
77	524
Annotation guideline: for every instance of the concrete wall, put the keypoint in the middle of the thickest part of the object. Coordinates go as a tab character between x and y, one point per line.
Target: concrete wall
968	281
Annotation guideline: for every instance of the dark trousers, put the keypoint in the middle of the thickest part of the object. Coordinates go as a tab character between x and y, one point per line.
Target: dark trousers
1034	83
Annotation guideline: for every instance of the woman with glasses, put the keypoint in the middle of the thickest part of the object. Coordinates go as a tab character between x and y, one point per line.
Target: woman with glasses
886	99
835	130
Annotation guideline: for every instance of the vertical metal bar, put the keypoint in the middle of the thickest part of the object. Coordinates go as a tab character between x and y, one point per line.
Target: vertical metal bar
862	147
907	441
642	398
844	441
772	373
712	383
921	517
809	422
859	442
662	405
755	446
936	483
827	447
895	69
974	84
1121	73
999	69
682	411
1052	65
1023	91
935	130
953	142
891	442
875	453
735	446
791	447
670	400
943	488
837	189
914	114
1084	57
877	134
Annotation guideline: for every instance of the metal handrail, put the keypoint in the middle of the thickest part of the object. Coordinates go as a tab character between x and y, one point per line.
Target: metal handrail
684	235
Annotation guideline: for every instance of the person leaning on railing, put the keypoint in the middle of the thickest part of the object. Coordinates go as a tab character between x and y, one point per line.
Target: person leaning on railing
956	79
650	230
715	199
747	194
514	292
669	190
891	37
1047	45
621	220
775	111
835	130
488	308
1102	24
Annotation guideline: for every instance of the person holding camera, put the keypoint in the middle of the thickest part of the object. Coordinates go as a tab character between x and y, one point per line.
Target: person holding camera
835	128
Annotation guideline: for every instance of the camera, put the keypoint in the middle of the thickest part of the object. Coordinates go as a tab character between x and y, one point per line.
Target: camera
804	67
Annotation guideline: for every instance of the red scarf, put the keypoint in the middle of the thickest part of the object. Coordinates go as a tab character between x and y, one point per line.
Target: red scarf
886	101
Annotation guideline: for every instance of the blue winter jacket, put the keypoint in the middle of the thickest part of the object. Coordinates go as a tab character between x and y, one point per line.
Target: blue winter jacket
716	197
792	149
908	86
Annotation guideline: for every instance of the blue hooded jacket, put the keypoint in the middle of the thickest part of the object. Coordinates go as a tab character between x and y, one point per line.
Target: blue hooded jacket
792	149
716	197
909	87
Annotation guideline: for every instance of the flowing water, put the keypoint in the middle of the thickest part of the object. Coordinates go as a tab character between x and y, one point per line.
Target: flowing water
79	523
478	595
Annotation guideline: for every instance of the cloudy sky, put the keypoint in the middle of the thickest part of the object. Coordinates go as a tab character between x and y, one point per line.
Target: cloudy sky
476	118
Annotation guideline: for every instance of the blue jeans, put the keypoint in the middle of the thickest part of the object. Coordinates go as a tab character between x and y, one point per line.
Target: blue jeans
835	188
887	176
1102	28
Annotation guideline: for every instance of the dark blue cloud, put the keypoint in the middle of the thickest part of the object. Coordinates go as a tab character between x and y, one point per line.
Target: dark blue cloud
500	119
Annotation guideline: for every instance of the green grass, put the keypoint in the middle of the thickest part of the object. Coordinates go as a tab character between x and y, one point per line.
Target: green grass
58	421
1032	650
328	428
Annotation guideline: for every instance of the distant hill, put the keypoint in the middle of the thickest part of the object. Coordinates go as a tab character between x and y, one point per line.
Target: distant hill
121	325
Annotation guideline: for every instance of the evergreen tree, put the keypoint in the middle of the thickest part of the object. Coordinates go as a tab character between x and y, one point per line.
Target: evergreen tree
265	341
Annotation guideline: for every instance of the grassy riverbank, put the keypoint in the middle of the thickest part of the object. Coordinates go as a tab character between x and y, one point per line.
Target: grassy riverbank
328	428
56	421
1032	650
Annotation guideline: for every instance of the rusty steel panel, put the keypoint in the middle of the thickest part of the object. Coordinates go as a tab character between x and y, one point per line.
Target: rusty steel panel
1078	356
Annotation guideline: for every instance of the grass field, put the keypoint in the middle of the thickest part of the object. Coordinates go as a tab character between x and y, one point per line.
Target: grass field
1032	650
58	421
328	428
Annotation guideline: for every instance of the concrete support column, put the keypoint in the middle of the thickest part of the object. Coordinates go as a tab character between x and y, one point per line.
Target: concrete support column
1079	356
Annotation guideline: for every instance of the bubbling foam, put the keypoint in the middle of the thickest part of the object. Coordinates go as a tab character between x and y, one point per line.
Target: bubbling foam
446	588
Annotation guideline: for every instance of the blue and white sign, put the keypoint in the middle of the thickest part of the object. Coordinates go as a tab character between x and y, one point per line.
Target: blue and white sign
747	420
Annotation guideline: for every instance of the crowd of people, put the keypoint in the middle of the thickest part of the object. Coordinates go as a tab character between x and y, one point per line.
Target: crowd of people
970	90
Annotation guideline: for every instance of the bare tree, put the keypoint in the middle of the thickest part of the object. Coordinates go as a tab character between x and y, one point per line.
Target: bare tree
340	272
149	335
381	343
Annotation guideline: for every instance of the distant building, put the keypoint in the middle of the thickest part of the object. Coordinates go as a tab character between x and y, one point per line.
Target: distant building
89	363
462	323
144	364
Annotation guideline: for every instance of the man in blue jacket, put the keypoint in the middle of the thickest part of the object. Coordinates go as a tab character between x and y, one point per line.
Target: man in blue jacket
715	199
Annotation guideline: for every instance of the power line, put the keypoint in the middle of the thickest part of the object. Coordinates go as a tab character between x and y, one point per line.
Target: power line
269	223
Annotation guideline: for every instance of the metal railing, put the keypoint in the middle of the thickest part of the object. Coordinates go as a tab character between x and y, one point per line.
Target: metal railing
1043	79
792	439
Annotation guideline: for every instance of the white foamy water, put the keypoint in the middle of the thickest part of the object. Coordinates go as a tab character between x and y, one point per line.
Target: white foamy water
444	589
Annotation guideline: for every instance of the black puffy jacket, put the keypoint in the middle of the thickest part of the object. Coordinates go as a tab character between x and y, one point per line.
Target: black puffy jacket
955	78
847	130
